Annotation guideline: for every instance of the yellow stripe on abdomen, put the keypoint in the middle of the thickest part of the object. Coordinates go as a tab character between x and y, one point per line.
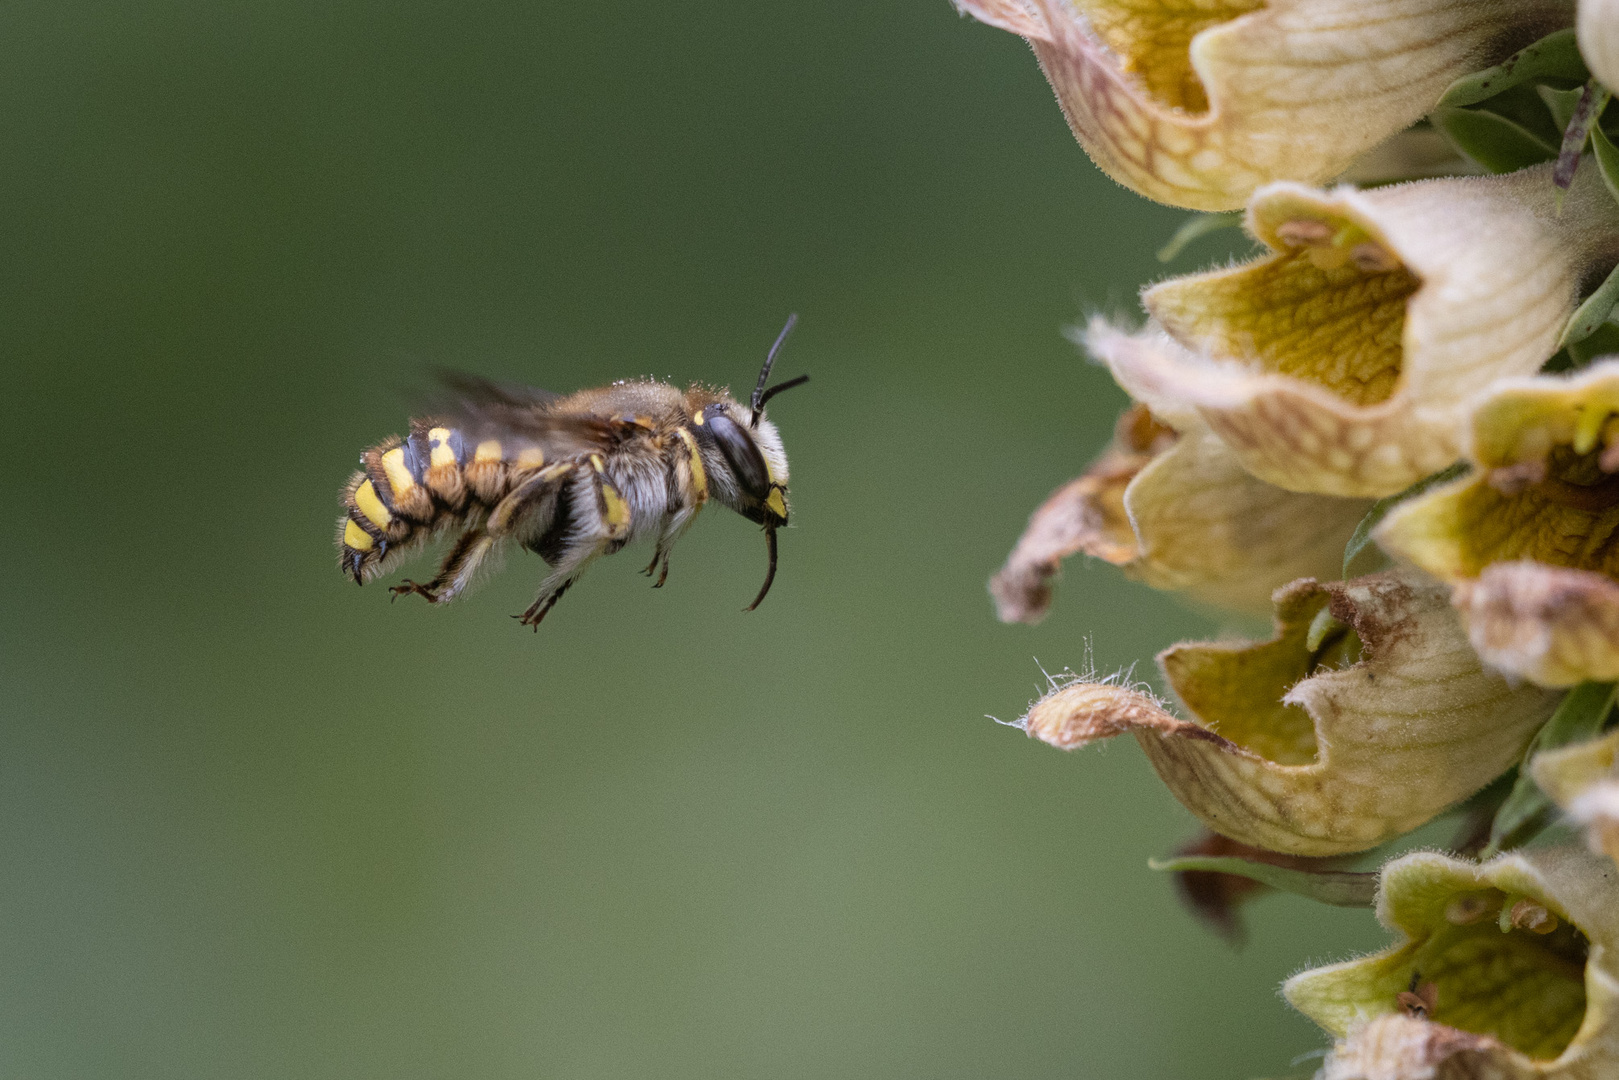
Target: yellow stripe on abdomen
367	502
440	452
356	537
486	475
399	477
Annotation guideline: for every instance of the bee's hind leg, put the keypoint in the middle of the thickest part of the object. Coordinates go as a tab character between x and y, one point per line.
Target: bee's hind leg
456	572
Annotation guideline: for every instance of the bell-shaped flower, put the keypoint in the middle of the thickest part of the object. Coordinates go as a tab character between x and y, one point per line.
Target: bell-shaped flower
1598	28
1197	105
1175	509
1507	970
1365	716
1342	362
1583	779
1527	536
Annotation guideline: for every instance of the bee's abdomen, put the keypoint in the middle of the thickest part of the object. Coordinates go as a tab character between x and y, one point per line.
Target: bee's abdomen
410	488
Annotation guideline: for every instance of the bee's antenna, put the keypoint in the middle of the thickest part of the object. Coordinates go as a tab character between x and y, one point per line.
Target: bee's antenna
770	575
759	394
773	391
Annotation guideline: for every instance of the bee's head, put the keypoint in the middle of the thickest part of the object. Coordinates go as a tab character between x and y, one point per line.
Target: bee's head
747	469
746	465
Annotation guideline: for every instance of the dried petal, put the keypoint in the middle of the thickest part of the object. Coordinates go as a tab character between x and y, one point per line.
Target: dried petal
1343	362
1084	515
1513	1003
1180	514
1197	105
1325	750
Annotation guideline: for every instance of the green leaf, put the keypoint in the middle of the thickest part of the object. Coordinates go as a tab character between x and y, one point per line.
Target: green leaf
1195	226
1527	810
1590	315
1607	160
1562	104
1341	888
1604	342
1555	56
1495	142
1363	532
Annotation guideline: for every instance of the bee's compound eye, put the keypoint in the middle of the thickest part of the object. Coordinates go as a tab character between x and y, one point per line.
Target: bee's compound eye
741	453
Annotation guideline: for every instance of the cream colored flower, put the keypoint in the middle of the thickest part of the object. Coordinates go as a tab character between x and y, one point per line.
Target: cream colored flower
1583	779
1528	537
1198	103
1553	626
1506	971
1598	28
1364	717
1177	511
1343	362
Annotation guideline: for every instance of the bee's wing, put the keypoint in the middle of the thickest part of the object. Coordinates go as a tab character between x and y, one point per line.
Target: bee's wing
483	409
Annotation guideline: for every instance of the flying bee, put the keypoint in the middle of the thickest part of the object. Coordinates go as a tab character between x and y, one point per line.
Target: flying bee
569	478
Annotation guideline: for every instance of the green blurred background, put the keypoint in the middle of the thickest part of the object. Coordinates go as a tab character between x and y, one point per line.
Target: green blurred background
255	822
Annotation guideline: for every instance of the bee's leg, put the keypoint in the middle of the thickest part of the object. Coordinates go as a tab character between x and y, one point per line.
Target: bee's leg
455	573
599	525
569	568
674	527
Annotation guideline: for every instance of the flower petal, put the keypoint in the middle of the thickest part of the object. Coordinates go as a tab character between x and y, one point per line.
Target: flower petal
1508	967
1364	717
1084	515
1552	626
1179	514
1598	28
1527	537
1196	105
1342	363
1583	779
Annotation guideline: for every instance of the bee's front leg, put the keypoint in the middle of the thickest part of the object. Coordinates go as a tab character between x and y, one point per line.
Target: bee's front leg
674	526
